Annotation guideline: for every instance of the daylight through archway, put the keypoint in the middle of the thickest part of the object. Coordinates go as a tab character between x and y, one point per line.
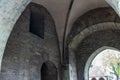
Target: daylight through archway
105	65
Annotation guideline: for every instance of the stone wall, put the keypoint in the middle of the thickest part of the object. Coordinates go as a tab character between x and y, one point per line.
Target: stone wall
26	52
10	10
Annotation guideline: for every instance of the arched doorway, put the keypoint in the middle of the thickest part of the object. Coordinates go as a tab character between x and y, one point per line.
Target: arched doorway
48	71
103	64
91	27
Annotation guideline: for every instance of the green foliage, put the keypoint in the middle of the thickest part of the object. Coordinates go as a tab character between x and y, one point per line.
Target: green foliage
117	70
114	62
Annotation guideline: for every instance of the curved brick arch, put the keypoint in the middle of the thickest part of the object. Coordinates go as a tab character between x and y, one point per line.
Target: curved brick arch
94	28
90	18
79	38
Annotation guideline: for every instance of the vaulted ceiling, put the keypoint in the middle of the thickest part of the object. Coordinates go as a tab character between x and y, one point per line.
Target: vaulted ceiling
59	9
10	10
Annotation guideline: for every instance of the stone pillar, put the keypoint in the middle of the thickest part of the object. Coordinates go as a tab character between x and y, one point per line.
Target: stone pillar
115	4
72	65
10	10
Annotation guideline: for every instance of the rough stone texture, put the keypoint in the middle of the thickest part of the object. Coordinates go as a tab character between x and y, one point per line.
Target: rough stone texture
105	37
94	28
10	10
93	42
92	17
25	52
115	4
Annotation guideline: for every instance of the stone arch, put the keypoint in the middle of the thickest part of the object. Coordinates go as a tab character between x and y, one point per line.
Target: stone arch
92	57
49	71
8	19
94	28
20	46
80	37
8	28
90	18
86	25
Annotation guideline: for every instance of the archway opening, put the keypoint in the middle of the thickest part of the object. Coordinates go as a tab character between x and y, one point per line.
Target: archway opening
104	64
48	71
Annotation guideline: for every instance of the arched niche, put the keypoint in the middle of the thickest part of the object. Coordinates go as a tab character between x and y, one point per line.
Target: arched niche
103	64
49	71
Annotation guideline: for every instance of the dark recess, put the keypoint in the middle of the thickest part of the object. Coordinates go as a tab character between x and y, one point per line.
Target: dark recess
48	71
37	22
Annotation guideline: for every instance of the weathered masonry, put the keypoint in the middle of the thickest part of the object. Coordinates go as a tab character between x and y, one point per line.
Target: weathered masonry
59	39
